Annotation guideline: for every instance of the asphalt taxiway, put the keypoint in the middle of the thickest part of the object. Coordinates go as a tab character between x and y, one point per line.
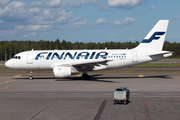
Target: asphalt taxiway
153	96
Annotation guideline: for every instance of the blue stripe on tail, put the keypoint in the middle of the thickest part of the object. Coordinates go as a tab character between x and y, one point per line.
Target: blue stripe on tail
153	37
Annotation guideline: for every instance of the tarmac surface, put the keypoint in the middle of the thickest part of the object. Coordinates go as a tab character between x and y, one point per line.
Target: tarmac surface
154	96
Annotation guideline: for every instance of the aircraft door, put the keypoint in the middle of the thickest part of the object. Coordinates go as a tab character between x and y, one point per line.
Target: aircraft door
30	57
134	56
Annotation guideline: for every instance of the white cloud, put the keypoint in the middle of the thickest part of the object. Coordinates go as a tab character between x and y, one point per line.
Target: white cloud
6	32
125	4
101	21
131	39
37	3
34	10
3	3
14	11
79	24
152	7
126	21
22	13
35	27
71	3
176	17
30	35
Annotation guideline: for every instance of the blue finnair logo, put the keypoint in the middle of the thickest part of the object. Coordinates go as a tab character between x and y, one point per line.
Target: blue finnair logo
153	37
76	55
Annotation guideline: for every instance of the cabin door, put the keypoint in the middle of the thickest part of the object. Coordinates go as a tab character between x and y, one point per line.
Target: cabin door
30	57
134	56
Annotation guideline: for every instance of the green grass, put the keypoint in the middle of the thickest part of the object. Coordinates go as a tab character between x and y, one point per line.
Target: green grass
135	72
159	65
2	66
96	72
26	71
171	59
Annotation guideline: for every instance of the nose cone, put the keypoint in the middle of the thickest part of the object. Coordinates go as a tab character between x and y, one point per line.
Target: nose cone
8	64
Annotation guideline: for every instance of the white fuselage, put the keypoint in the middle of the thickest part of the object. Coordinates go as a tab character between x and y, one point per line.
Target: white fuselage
48	59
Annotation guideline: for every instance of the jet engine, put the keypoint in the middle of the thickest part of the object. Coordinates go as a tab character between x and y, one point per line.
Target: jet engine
64	72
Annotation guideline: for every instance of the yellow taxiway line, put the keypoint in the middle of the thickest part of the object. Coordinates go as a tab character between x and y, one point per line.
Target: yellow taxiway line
17	76
78	75
6	82
141	75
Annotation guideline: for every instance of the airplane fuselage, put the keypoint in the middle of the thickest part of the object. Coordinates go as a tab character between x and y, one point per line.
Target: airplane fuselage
47	59
64	63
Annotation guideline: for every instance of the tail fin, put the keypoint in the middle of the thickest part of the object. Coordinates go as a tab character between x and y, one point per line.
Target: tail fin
155	38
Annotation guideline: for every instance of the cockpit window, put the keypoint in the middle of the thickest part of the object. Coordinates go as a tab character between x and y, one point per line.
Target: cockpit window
16	57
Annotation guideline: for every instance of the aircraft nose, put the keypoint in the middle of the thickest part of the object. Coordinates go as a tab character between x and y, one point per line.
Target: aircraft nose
8	64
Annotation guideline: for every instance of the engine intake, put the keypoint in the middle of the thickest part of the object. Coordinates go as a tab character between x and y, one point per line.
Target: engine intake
64	72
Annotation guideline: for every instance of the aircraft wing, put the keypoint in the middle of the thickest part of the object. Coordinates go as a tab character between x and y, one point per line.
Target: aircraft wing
91	65
89	62
81	65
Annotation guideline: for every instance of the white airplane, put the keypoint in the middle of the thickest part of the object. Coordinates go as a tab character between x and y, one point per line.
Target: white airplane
65	63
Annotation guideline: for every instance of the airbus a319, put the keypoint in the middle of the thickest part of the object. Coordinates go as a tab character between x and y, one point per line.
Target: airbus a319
65	63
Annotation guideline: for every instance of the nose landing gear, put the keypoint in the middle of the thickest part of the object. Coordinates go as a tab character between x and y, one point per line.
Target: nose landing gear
30	75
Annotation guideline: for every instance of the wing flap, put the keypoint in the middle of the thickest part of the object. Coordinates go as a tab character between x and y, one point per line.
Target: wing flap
89	62
85	63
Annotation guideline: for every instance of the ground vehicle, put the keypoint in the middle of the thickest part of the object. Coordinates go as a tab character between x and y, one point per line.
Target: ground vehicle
121	94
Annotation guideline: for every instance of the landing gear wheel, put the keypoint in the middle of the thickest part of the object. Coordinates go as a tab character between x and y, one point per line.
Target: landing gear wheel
86	76
83	75
30	75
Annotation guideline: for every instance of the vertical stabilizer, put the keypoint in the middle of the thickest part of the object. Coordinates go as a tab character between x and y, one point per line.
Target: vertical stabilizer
155	38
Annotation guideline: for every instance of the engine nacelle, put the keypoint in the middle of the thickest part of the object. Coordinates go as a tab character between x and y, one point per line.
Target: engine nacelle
62	72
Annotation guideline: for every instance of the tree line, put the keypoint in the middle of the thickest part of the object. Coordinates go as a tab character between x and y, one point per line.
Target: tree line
9	48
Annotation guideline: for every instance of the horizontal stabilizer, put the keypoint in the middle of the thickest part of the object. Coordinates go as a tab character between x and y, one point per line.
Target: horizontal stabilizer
160	53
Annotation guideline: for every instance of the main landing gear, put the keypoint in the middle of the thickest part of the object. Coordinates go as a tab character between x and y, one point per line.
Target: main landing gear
85	76
30	75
